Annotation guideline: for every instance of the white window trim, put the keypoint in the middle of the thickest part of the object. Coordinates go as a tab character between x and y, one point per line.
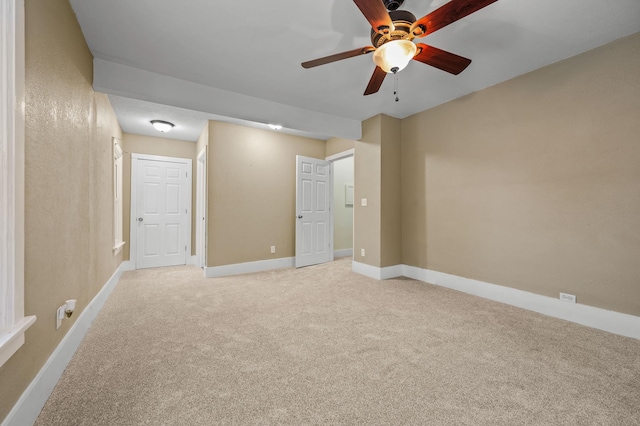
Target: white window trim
118	216
13	323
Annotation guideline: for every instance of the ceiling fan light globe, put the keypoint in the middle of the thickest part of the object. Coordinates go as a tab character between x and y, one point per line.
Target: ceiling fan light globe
394	55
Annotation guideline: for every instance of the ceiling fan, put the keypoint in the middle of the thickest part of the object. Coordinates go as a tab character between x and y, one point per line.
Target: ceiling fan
392	34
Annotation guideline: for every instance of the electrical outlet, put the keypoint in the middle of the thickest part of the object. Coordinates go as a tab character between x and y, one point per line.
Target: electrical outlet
273	249
362	252
565	297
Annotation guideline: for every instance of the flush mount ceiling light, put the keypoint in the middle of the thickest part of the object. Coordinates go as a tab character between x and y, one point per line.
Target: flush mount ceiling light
275	126
162	126
394	55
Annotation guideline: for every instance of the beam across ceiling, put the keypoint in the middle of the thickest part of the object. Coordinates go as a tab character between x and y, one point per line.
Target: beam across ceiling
121	80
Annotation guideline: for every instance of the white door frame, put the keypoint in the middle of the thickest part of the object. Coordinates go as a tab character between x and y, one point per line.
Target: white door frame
339	156
201	209
133	247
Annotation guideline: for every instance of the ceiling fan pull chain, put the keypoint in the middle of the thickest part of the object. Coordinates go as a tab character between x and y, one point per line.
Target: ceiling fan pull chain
395	86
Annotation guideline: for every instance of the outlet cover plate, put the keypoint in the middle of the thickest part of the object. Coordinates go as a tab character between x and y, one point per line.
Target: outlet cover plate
59	316
566	297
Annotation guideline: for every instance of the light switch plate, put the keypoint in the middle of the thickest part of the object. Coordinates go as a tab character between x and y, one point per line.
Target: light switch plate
363	202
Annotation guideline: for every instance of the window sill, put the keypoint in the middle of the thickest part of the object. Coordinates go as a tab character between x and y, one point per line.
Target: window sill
12	338
118	247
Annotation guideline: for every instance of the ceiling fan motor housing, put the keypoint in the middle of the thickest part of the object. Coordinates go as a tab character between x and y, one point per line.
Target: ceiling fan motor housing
392	4
402	20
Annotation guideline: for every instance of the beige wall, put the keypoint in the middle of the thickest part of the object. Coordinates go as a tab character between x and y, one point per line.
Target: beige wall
139	144
68	186
251	195
378	226
534	183
368	171
391	195
337	145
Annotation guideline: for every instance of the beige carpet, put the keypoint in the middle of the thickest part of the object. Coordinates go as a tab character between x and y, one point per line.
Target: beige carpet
322	345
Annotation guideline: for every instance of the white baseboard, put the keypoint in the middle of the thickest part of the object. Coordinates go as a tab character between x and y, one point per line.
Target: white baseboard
248	267
601	319
192	260
127	265
377	272
343	253
28	407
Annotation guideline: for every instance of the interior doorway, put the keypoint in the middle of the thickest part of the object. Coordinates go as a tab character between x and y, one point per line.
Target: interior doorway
343	200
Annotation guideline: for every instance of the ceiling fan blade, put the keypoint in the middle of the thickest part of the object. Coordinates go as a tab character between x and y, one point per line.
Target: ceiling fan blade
338	57
447	14
376	81
377	15
446	61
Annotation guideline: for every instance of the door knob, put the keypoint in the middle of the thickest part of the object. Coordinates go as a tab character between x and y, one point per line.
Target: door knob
299	216
140	219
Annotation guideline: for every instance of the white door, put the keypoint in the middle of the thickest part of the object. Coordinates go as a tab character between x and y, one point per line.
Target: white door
163	200
314	230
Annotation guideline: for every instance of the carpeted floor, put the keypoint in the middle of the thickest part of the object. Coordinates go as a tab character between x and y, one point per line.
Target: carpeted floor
322	345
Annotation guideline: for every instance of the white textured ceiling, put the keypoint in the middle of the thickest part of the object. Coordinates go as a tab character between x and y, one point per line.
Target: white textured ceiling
239	61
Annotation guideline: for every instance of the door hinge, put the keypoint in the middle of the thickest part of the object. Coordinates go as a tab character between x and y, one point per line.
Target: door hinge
186	211
185	248
186	174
